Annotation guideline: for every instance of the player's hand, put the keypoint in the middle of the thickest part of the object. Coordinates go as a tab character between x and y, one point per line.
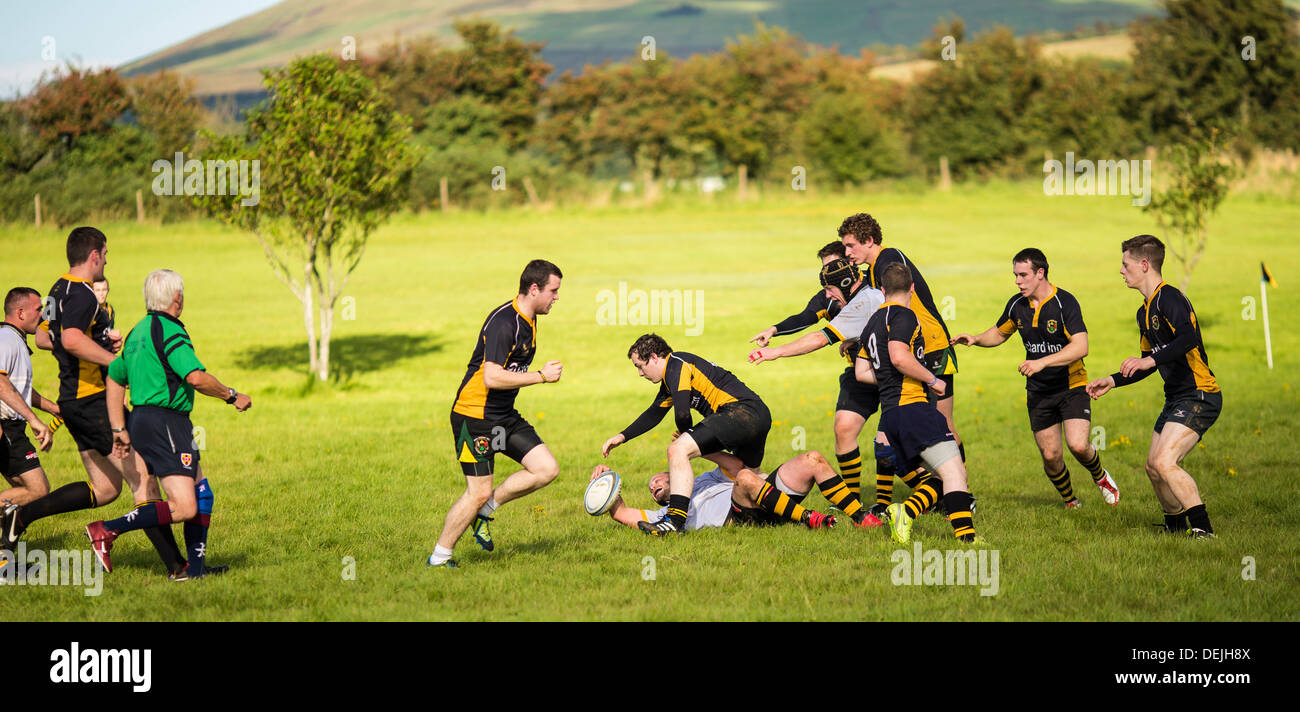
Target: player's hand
599	470
676	434
115	340
848	347
611	444
963	339
1098	388
1133	364
1030	367
44	436
939	386
121	445
763	337
758	356
552	371
242	402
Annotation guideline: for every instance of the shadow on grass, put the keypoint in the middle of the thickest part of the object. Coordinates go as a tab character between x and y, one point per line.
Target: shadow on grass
349	355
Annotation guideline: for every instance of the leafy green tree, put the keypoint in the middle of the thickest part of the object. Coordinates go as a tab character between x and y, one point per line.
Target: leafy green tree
165	106
1198	184
1193	67
333	157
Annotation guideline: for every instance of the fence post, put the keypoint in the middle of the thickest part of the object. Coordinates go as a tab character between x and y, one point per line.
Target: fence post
945	178
743	180
38	210
442	193
139	206
532	193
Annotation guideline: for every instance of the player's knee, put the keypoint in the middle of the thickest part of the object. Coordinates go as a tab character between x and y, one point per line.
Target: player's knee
679	448
548	472
1052	457
39	488
847	429
1153	469
1080	451
105	494
815	459
183	511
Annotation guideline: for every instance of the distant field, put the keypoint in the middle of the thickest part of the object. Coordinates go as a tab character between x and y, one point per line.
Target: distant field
363	467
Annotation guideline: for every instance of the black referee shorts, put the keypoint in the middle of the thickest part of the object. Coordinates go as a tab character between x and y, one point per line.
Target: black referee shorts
17	456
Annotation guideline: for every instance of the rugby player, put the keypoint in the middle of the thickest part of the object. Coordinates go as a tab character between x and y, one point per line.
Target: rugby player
1051	328
72	322
733	494
735	420
159	364
863	239
857	401
1170	342
19	463
483	417
890	350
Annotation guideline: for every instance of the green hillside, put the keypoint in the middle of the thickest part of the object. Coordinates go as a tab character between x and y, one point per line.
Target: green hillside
577	32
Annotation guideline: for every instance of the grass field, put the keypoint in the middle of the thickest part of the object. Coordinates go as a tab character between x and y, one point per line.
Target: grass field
363	467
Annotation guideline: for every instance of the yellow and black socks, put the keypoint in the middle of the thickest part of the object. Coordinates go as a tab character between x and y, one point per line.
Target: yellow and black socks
914	478
885	471
851	470
780	504
1094	466
923	497
958	506
71	497
678	505
1198	519
837	492
1061	481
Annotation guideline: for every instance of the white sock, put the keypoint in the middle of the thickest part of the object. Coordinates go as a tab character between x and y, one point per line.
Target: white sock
439	554
487	509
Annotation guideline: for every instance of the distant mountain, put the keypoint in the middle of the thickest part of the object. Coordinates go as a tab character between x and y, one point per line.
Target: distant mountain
227	60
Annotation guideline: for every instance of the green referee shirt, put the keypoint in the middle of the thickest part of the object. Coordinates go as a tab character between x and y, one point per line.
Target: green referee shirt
154	362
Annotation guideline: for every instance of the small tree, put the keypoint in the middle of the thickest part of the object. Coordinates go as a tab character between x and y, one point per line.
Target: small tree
332	156
1198	184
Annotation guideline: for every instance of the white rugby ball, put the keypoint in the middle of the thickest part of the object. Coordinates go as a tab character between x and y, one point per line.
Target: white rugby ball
601	493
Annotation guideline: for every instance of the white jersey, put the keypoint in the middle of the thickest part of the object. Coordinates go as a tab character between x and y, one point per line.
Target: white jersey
852	319
16	365
710	502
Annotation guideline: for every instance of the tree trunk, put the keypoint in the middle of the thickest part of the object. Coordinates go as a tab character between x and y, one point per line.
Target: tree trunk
326	329
309	319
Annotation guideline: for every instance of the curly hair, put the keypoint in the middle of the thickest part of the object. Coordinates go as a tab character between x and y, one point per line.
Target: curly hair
648	345
862	227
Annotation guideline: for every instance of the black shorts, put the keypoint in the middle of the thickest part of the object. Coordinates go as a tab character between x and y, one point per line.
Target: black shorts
856	396
739	428
17	456
911	429
478	441
942	363
87	420
165	439
1050	409
1197	412
754	516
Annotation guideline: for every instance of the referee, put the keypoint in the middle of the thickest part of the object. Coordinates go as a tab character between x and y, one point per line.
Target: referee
159	363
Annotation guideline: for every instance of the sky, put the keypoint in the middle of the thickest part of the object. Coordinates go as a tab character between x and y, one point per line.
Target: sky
100	32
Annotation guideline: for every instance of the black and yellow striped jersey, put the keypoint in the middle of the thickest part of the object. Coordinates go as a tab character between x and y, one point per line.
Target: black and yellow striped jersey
1045	328
508	339
933	328
690	383
1170	334
71	304
818	308
893	322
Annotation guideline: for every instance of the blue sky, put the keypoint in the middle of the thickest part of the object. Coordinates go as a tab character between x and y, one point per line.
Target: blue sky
101	32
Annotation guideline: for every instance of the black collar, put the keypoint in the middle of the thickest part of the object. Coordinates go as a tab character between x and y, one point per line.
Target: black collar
165	315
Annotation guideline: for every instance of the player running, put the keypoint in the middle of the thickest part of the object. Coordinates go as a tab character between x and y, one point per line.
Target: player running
891	347
75	331
1170	341
19	464
862	239
733	494
1051	328
484	420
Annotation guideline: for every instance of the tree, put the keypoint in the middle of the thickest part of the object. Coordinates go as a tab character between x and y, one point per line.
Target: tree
1229	64
165	106
333	155
1199	185
74	102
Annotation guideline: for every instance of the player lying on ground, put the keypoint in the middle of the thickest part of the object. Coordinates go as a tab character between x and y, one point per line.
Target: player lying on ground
735	419
733	494
1051	328
891	348
1170	341
483	417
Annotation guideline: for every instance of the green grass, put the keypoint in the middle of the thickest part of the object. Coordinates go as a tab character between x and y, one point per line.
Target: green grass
363	467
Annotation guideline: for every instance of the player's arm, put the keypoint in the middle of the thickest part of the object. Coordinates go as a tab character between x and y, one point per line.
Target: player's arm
42	337
1179	314
793	324
115	385
804	344
905	361
77	343
12	398
497	378
862	369
648	419
1128	374
1073	351
990	337
682	402
45	404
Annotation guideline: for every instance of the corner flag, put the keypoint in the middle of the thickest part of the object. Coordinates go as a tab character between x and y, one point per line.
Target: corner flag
1265	280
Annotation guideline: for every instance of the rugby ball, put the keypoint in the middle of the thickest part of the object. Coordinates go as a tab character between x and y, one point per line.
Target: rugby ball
601	493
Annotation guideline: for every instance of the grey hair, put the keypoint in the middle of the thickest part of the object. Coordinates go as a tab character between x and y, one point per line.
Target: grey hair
160	287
